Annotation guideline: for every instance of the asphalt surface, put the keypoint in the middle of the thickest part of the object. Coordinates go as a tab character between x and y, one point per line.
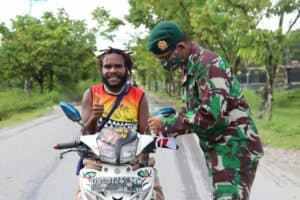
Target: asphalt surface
31	168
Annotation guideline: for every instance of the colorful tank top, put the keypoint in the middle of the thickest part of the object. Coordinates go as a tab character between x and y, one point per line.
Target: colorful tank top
126	114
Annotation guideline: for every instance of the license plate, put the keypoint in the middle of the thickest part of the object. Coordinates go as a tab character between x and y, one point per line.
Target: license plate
119	184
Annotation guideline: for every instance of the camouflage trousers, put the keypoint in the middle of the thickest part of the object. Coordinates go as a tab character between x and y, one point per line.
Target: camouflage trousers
232	162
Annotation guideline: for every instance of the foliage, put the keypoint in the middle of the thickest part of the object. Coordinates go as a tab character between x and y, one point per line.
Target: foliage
106	25
226	27
292	46
51	51
217	24
222	23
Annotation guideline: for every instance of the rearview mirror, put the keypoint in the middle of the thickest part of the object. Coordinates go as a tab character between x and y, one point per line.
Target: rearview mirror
165	112
70	111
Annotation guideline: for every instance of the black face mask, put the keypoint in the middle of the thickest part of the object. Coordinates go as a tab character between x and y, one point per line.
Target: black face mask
175	62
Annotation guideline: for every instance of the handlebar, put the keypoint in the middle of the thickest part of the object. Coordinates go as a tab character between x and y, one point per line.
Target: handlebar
67	145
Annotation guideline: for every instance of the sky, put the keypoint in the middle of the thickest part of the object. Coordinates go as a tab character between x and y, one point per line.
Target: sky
76	9
81	9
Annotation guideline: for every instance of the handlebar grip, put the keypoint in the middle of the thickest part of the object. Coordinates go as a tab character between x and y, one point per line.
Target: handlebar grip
67	145
164	112
167	142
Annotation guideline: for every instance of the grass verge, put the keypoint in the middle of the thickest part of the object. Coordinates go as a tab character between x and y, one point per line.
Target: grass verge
25	116
284	128
16	106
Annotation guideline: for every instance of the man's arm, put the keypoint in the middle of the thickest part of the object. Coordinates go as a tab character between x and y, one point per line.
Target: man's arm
143	115
90	113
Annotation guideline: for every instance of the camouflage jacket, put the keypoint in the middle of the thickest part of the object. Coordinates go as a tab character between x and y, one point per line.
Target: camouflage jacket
213	97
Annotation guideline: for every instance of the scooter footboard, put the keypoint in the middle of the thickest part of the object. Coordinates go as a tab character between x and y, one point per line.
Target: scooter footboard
117	182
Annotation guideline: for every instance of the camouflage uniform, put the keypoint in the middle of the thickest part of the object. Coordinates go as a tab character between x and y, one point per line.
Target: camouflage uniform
217	112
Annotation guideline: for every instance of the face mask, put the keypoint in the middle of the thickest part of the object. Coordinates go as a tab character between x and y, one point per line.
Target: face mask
175	62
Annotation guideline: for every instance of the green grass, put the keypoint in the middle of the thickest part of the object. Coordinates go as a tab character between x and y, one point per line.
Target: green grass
25	116
16	106
284	128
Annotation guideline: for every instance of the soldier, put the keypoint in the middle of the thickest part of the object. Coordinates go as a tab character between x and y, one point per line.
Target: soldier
215	110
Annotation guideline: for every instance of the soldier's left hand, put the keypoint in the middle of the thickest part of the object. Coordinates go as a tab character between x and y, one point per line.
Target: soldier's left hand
154	124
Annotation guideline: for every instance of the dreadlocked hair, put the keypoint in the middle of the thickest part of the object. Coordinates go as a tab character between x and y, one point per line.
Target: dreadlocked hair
126	55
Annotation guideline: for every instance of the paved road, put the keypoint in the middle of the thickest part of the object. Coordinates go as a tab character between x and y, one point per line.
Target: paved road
31	169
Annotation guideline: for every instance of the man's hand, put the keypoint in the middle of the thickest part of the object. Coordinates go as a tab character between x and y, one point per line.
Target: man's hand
142	160
97	110
154	124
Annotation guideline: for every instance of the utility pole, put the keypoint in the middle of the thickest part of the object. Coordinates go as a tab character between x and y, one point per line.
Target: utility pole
28	80
31	2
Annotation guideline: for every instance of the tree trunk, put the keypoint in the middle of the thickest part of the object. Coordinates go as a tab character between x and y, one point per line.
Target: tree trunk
142	78
50	80
174	83
155	84
25	85
267	94
270	102
263	101
28	86
236	63
179	89
41	82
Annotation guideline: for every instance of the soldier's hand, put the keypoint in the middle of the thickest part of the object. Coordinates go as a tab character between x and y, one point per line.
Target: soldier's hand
154	124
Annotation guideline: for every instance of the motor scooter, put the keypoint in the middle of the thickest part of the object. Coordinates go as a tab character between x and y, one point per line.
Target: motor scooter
116	148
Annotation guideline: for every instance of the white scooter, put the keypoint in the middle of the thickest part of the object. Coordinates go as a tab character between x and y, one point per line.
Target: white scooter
116	148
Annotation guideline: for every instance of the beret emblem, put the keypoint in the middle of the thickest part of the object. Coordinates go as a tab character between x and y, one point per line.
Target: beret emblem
162	45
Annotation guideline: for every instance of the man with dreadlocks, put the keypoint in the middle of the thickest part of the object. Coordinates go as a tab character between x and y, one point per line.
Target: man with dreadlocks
115	67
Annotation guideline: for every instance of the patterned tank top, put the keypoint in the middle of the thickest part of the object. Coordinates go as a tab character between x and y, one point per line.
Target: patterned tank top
126	114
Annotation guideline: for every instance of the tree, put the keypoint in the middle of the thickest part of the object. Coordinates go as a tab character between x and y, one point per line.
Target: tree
223	25
266	47
106	25
147	14
217	25
54	49
291	47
